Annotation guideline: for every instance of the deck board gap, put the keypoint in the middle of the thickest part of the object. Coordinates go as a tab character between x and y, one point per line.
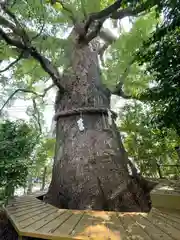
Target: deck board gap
53	230
162	219
34	214
33	210
170	217
24	207
122	224
51	220
71	232
144	229
162	230
39	219
14	204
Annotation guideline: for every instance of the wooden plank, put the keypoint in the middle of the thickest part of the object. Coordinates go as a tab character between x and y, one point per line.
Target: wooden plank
25	203
116	230
152	230
19	208
49	236
53	224
99	225
34	219
42	219
172	212
164	225
28	210
86	226
168	215
134	231
171	221
43	209
12	220
166	194
165	201
67	227
23	199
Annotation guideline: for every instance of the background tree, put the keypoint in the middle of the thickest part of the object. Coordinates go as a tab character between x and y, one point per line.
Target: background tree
43	160
17	140
147	145
90	165
160	57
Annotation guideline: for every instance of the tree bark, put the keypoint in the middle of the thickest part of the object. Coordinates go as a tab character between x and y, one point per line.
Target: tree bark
44	178
90	167
30	184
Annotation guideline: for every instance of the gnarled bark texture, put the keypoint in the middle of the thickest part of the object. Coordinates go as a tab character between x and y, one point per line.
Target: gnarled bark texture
90	165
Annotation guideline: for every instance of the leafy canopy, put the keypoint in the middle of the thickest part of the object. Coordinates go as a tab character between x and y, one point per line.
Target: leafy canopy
47	24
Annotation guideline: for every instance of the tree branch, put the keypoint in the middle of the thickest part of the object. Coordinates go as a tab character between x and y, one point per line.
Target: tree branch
42	27
26	91
118	90
127	12
105	13
98	17
109	38
102	51
44	62
46	90
18	28
8	24
107	35
37	118
12	63
89	37
113	12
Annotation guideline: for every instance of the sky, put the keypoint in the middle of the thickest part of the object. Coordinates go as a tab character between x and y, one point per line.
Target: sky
18	109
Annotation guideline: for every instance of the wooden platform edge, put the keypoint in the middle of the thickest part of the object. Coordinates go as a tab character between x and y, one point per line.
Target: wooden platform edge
35	234
11	219
164	196
49	236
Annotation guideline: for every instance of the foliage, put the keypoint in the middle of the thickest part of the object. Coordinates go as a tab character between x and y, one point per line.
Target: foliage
162	60
48	26
145	144
43	155
17	141
122	53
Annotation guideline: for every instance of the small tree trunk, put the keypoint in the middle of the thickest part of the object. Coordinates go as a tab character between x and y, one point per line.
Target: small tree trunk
177	148
30	184
159	170
44	178
90	166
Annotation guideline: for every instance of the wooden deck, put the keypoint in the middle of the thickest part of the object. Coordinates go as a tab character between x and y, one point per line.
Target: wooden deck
34	218
166	194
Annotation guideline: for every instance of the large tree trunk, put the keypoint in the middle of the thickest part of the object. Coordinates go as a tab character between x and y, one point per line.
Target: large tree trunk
90	166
